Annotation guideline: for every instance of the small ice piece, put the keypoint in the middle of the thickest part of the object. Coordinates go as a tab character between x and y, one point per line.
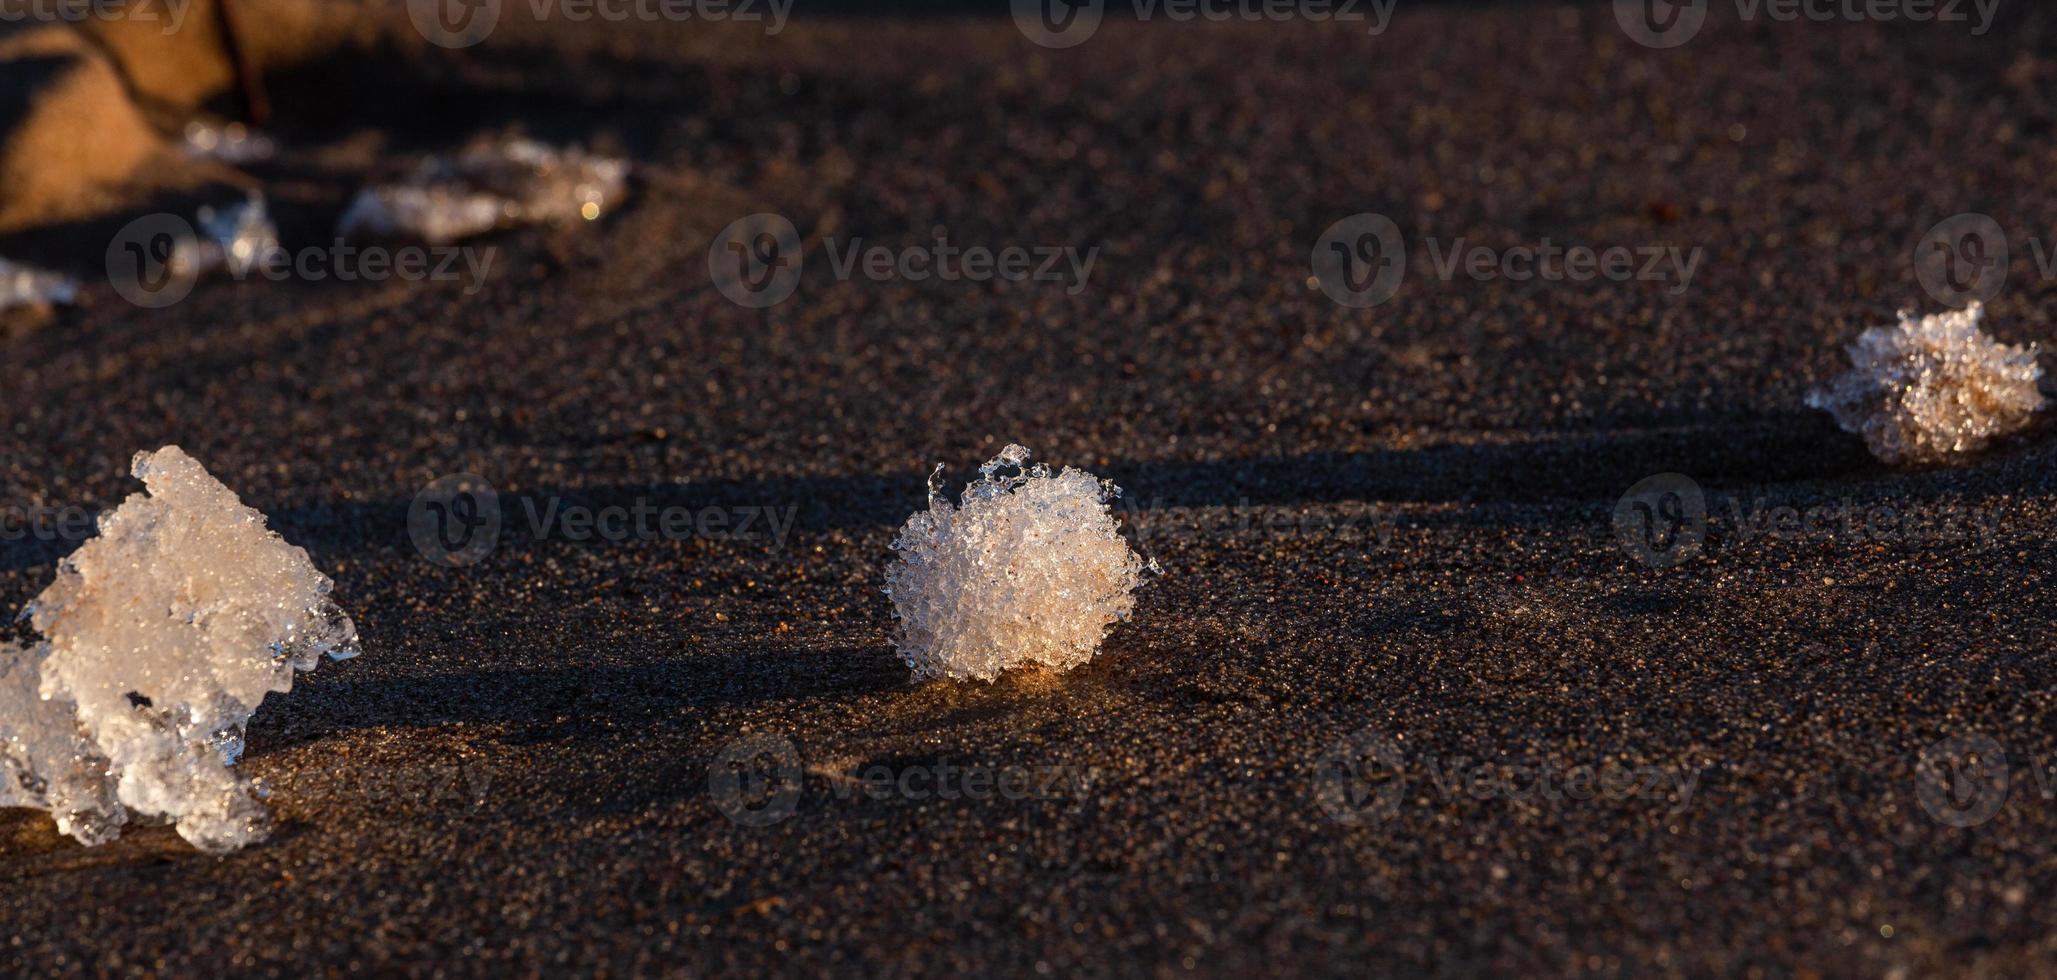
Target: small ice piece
1932	389
435	215
491	186
237	237
27	286
163	635
232	143
46	763
1029	568
545	183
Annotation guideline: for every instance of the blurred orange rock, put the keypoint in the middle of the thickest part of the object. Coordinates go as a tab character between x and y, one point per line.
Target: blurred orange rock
70	136
173	54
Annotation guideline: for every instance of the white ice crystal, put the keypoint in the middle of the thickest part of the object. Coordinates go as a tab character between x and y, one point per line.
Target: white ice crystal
491	186
162	636
27	286
1929	389
1028	569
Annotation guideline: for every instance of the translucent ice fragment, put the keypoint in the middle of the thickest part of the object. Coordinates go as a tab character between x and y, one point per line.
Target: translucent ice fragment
1028	568
436	215
26	286
490	186
45	760
231	143
545	183
163	635
1932	389
236	237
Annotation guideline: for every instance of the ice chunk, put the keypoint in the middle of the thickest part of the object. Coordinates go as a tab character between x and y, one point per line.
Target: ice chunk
491	186
232	143
1931	389
163	635
436	215
545	183
237	237
27	286
45	760
1029	568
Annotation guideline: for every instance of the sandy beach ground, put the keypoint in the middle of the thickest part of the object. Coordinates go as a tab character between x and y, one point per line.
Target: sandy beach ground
1387	533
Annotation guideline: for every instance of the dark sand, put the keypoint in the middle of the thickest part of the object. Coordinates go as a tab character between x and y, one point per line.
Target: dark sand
514	778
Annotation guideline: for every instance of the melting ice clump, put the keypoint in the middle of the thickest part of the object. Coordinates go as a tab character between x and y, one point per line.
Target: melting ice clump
492	186
1028	569
1930	389
162	636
